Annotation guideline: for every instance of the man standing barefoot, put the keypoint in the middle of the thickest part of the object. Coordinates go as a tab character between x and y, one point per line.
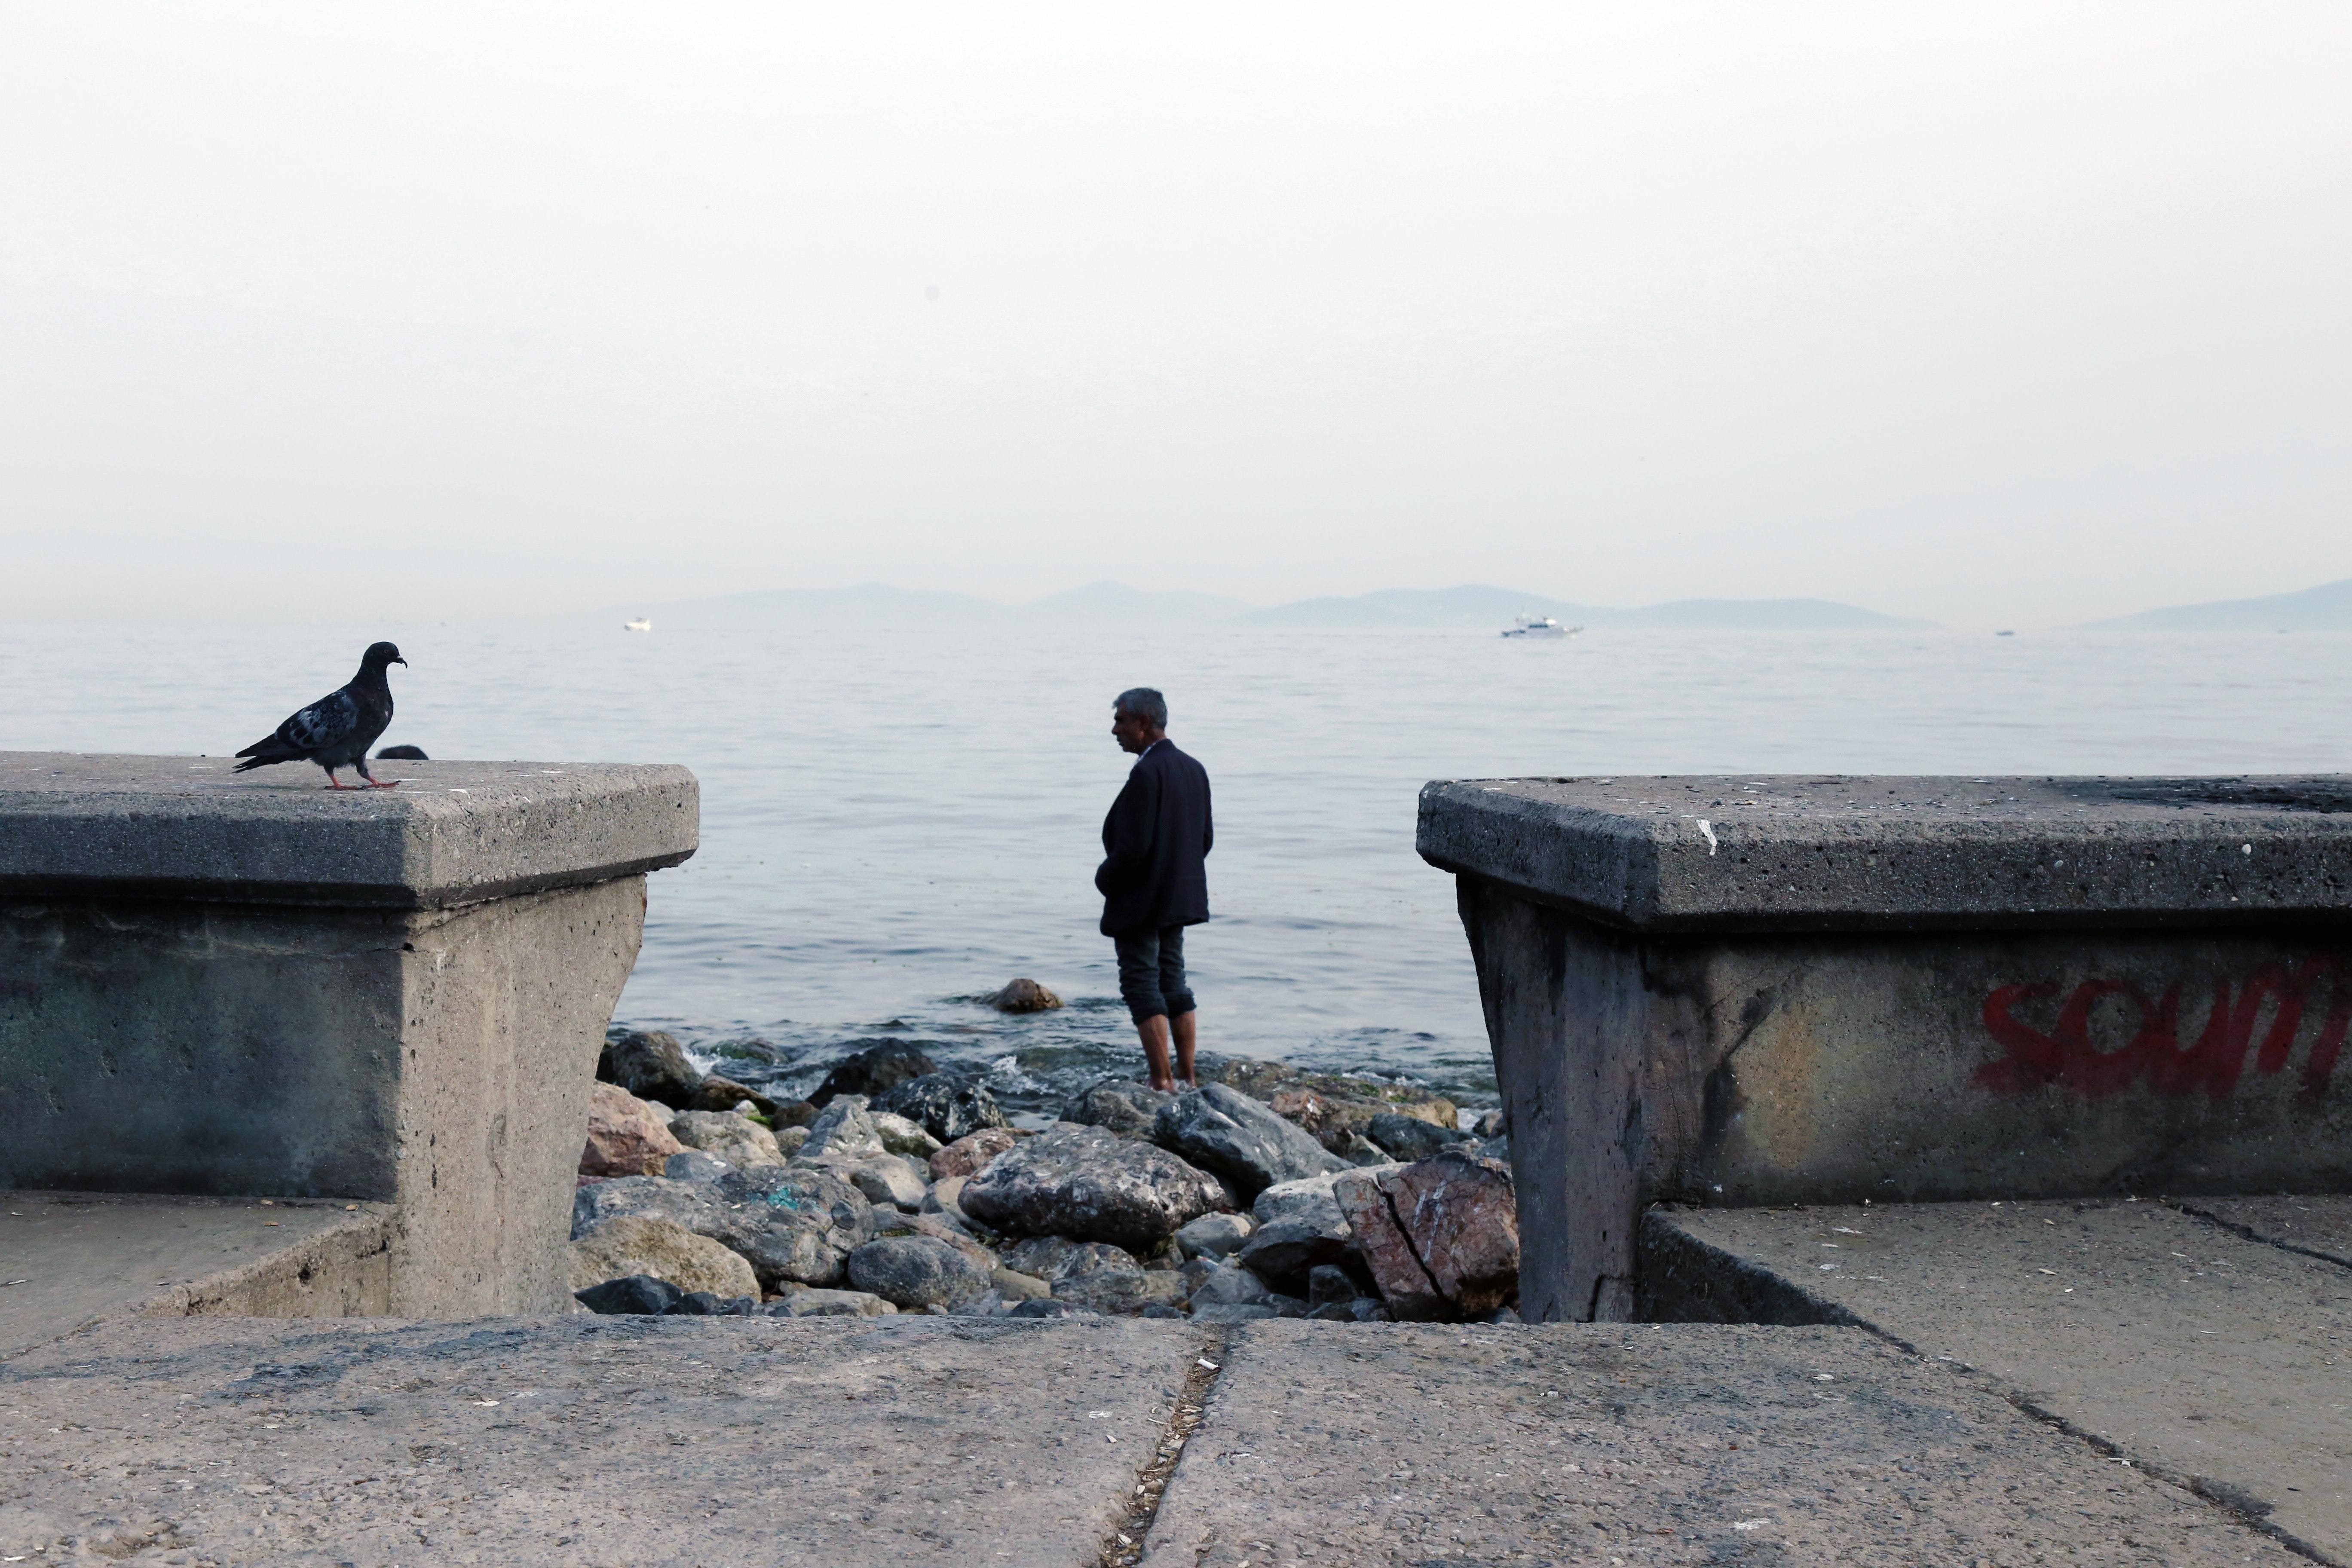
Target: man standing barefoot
1152	880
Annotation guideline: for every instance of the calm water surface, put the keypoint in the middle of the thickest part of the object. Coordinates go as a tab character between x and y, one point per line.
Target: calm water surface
896	820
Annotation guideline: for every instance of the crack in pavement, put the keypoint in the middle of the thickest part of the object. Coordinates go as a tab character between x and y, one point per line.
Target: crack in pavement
1124	1546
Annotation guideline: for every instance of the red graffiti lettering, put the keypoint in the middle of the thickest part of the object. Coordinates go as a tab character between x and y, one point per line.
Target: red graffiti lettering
2153	1052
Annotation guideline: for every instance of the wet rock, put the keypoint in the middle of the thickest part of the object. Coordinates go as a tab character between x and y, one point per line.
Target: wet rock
732	1137
1441	1238
1327	1105
694	1165
900	1136
918	1271
1332	1312
1286	1306
637	1295
711	1304
1195	1271
887	1182
1232	1313
970	1154
1481	1123
829	1304
638	1244
947	1107
715	1093
882	1066
1304	1236
1025	997
1224	1131
653	1065
802	1225
1356	1148
1052	1258
1051	1306
1408	1139
1370	1309
842	1131
1012	1285
402	754
1122	1293
1090	1184
1131	1110
696	1206
627	1136
1213	1235
1230	1285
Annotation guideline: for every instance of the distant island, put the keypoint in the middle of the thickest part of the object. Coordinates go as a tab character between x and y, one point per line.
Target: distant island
1108	603
2326	609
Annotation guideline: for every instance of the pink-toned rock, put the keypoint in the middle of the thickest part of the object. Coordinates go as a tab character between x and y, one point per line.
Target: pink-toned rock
1403	1283
969	1155
1441	1238
627	1136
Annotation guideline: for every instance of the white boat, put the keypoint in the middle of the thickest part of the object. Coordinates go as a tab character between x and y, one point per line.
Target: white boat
636	626
1539	626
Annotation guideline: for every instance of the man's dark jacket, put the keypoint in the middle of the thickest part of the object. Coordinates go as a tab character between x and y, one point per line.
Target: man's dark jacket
1154	840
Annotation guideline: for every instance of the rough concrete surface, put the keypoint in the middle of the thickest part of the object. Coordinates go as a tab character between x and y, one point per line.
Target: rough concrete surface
441	1059
2319	1224
1911	853
1417	1444
629	1442
2219	1361
74	825
71	1258
1744	1068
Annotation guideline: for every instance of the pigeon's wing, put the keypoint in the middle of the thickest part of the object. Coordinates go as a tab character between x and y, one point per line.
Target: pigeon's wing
331	718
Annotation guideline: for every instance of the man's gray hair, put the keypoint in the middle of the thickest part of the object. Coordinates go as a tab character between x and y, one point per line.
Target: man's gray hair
1145	704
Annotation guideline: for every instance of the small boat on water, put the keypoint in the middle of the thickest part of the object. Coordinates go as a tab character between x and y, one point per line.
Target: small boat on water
637	625
1539	626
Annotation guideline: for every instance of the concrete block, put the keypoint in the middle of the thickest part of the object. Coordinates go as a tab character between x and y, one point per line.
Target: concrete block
406	1009
1908	989
2195	1353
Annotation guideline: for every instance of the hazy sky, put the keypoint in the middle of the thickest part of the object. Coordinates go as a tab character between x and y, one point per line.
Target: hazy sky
2020	314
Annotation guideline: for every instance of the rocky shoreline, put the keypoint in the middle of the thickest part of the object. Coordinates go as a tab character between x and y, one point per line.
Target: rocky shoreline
1267	1192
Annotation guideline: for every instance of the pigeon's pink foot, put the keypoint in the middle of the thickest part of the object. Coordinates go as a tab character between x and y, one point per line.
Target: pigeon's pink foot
384	783
334	783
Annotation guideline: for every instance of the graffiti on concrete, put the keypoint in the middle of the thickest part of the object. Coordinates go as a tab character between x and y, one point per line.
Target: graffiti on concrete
2151	1049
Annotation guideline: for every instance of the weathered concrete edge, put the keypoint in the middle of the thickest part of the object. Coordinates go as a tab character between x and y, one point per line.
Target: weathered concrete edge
343	1271
1698	1282
1619	871
391	897
2255	1233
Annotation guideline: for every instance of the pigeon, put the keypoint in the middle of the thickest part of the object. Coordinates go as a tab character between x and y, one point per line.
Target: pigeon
336	730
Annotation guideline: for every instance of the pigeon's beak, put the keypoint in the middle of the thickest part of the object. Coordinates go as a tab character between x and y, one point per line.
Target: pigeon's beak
401	662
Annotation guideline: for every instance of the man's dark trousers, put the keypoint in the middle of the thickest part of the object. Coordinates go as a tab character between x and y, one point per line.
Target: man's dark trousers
1153	879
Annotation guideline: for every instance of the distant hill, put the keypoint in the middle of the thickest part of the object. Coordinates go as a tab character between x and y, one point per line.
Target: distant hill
1107	603
2326	609
1477	605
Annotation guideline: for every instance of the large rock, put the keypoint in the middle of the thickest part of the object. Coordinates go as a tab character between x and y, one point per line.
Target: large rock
1123	1291
627	1136
664	1249
843	1131
733	1137
1224	1131
887	1223
698	1206
1285	1250
900	1136
1128	1108
1408	1138
944	1105
715	1093
1441	1238
830	1304
881	1066
970	1154
694	1165
651	1065
1230	1285
885	1182
637	1295
1332	1107
1052	1258
1024	996
802	1225
1213	1235
918	1271
1089	1183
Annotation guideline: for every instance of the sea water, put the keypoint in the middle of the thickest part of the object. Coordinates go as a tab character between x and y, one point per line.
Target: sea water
896	820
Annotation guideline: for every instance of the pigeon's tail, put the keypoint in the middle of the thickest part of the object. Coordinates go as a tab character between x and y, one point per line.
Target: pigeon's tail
265	753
